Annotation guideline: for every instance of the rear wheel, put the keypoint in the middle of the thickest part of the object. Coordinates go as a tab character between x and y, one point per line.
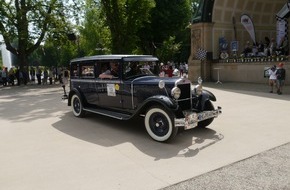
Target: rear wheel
159	124
207	107
77	106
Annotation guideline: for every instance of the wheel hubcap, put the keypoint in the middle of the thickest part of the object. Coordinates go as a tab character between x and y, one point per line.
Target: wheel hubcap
76	105
159	124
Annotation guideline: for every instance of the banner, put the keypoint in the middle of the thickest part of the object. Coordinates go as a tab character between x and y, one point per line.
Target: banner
248	24
281	30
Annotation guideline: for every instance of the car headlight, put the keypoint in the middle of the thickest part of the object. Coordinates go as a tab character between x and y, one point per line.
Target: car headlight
175	92
198	89
161	84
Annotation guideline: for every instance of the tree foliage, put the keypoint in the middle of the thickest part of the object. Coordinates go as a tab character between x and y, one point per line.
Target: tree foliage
95	36
125	18
169	18
169	49
29	22
98	27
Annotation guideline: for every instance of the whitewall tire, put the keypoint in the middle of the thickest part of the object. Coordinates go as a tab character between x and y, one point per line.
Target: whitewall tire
77	106
159	124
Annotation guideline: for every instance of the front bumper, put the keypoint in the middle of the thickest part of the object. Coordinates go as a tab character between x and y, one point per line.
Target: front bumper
191	119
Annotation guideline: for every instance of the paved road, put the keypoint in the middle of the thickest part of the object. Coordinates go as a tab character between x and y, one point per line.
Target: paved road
266	171
43	146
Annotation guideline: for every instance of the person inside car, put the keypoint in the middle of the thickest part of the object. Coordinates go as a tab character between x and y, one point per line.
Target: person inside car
111	73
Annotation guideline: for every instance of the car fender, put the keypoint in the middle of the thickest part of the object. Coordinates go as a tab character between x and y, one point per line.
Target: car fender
209	95
206	96
72	92
159	99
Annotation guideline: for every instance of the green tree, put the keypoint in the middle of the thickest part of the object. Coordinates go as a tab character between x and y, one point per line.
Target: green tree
168	49
169	18
95	35
194	6
29	22
125	18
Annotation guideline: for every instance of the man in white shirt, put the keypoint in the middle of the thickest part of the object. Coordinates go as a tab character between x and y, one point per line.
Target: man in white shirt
272	77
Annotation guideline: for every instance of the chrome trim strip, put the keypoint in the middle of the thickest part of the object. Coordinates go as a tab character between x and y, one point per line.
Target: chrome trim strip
179	100
100	113
83	80
132	94
97	81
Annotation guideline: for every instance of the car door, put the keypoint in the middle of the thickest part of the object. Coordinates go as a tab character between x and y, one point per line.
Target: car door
87	82
109	90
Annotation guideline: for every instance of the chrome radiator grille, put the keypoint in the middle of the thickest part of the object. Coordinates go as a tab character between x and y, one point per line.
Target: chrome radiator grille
185	98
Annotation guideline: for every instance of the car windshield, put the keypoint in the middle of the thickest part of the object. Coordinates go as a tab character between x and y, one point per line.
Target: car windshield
133	69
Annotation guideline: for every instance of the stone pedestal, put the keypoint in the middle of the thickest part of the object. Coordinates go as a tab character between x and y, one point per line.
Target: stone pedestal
198	68
201	37
194	70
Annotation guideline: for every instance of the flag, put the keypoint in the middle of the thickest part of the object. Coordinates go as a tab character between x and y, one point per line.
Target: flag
201	53
248	24
282	28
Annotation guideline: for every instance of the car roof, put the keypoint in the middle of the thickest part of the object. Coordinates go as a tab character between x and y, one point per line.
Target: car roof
117	57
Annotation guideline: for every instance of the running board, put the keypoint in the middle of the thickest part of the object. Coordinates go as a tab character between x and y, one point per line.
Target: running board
116	115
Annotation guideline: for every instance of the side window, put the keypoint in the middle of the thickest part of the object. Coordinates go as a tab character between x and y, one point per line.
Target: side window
74	70
104	66
131	69
87	70
108	70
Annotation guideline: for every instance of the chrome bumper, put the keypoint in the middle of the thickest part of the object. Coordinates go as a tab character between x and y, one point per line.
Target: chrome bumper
191	119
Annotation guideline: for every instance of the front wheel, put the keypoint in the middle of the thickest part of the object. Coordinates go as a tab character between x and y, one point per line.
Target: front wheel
159	124
207	107
77	106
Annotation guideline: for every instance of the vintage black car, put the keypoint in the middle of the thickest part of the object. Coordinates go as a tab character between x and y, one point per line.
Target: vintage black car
135	89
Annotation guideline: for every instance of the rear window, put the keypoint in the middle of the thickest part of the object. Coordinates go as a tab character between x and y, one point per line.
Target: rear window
74	72
87	71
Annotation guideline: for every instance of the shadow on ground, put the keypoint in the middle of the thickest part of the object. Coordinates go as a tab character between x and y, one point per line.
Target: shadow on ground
28	103
261	90
107	132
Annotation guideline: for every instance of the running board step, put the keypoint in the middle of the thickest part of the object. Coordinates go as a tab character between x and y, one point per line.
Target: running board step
108	113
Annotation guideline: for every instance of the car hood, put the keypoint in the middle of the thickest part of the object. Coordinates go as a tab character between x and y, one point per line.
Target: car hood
151	80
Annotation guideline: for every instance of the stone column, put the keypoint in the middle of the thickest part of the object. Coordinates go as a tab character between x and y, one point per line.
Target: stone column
201	37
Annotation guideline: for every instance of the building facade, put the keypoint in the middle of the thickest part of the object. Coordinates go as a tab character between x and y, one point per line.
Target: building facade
217	27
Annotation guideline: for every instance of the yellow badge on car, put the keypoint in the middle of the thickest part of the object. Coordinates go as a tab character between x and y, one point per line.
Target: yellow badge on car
117	87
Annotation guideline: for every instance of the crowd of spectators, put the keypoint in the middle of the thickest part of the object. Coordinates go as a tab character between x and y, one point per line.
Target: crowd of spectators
35	75
268	47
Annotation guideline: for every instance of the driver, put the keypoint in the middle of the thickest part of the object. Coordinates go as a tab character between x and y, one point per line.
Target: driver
111	73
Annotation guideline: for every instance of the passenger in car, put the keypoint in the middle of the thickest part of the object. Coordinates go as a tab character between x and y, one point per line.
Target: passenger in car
134	69
111	73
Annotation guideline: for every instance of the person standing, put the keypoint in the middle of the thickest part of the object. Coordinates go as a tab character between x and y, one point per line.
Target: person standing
38	75
281	74
65	82
45	76
32	74
168	71
50	76
17	75
5	76
181	69
11	76
272	78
